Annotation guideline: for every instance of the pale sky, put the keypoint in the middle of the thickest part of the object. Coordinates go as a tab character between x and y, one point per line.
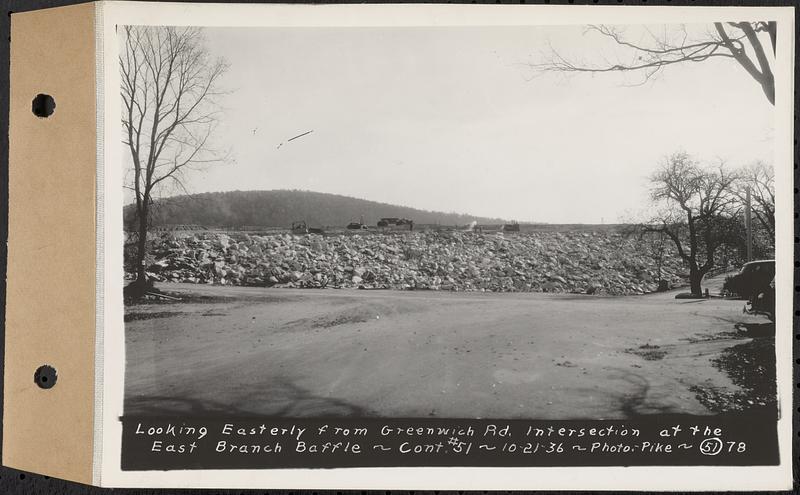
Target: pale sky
452	119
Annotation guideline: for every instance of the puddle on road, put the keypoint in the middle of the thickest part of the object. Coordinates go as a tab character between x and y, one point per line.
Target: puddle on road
330	320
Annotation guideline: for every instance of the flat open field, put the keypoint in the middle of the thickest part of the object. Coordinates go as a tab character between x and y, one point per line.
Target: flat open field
282	352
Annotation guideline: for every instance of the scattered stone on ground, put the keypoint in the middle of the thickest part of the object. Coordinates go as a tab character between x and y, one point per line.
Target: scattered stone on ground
751	367
574	262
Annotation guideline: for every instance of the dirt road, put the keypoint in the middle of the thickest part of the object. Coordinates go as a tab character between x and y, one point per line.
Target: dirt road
279	352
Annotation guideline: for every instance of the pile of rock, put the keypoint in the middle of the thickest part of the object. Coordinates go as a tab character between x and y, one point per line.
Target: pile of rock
579	262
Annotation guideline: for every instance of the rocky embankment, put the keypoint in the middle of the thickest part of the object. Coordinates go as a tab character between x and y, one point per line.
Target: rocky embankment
590	263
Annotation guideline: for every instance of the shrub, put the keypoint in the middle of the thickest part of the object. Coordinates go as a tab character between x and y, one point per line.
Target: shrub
734	286
744	284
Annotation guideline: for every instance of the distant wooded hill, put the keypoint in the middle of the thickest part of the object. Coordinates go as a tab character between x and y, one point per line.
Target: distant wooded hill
280	208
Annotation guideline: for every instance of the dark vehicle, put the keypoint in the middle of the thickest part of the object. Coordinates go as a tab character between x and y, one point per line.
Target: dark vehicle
756	283
511	227
385	222
356	226
396	223
299	228
764	303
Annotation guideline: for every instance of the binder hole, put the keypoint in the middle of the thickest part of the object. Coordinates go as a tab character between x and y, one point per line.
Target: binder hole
45	376
43	106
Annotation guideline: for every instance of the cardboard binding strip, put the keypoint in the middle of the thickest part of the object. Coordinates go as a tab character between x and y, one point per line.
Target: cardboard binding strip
50	301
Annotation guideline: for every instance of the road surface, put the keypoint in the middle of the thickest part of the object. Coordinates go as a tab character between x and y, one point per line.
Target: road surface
296	353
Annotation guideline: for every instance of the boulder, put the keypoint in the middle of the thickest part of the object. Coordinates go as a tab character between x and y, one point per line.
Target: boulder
575	262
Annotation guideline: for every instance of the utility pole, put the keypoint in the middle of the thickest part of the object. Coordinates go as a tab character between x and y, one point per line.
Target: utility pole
748	225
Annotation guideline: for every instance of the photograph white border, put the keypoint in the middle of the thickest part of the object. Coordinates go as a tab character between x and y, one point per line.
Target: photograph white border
111	350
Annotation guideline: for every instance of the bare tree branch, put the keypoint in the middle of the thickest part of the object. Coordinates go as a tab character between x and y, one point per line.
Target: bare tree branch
169	89
650	58
699	211
759	178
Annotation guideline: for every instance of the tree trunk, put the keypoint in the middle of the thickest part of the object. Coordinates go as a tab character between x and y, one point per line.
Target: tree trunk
141	251
695	280
140	285
768	85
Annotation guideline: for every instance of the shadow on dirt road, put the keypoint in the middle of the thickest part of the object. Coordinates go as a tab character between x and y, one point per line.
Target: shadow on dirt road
280	353
294	401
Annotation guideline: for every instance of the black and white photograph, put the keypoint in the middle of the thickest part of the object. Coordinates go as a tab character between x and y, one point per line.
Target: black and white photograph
450	223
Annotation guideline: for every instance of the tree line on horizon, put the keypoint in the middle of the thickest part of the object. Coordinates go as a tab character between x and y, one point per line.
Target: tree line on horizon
279	208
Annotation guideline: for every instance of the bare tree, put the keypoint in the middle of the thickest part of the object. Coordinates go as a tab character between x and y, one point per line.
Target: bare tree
759	178
169	92
739	41
695	211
